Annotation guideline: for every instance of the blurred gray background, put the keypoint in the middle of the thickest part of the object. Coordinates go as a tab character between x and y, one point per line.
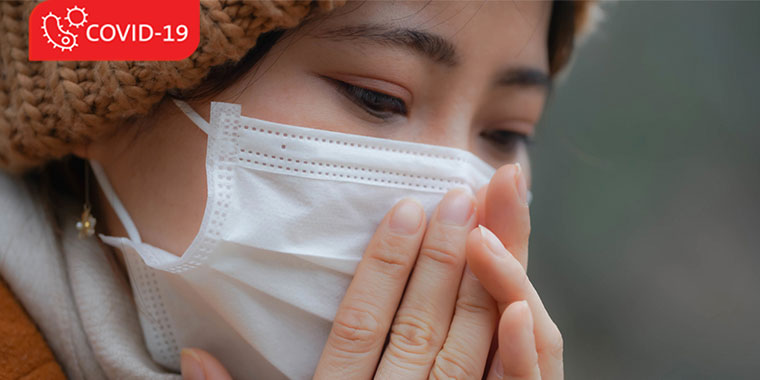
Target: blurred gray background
646	216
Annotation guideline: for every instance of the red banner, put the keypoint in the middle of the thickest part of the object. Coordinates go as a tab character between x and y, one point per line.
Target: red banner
105	30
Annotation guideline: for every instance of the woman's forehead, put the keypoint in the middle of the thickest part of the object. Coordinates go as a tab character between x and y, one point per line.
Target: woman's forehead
440	15
507	32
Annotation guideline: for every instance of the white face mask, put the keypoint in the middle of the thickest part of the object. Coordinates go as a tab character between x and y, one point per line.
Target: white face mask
289	213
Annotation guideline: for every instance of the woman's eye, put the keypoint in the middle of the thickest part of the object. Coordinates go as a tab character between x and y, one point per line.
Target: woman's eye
505	140
375	103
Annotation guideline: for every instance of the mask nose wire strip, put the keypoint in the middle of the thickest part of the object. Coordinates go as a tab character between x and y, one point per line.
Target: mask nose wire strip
190	112
118	207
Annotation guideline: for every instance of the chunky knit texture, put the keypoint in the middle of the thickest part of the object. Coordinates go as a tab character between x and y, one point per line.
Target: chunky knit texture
47	108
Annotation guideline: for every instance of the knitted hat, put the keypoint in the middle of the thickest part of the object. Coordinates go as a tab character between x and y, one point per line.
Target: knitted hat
47	108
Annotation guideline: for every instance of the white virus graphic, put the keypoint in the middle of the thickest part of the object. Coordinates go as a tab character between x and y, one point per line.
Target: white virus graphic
55	33
82	15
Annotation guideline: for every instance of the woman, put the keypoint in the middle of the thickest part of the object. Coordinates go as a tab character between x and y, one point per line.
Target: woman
241	234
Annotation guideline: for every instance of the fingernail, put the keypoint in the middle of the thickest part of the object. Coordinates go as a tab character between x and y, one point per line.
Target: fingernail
456	208
522	186
406	217
524	309
522	306
498	368
191	365
492	242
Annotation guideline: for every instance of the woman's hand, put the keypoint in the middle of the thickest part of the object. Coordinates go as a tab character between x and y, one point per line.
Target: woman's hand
530	344
439	323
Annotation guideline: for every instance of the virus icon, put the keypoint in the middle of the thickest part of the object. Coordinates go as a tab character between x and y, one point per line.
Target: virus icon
56	35
79	14
59	37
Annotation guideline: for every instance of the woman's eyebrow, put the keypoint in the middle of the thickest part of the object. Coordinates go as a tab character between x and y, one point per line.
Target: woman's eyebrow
524	77
434	47
421	42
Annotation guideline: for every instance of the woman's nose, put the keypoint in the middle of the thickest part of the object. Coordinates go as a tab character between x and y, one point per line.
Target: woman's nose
452	135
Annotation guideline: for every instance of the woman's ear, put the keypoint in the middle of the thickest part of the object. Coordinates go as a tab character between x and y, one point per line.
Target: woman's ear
82	151
107	147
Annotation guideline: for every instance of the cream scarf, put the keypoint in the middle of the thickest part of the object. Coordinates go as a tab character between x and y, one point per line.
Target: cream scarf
80	302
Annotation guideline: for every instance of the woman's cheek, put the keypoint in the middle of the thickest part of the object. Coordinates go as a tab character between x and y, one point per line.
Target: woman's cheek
285	97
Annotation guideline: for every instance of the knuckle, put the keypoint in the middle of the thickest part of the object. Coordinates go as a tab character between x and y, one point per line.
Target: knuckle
444	254
475	305
393	255
356	331
450	365
413	335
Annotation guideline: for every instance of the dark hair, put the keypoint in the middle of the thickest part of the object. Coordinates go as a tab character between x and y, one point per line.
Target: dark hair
561	38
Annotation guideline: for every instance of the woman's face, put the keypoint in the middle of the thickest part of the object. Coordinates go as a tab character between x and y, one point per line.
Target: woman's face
469	75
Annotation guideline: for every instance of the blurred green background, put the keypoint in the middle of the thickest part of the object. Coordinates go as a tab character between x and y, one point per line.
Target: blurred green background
646	212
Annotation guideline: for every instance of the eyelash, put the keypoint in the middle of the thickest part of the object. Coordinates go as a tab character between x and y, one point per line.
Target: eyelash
385	106
375	103
505	140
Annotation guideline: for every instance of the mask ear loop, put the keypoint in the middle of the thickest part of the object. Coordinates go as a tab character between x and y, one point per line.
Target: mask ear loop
86	225
192	115
118	207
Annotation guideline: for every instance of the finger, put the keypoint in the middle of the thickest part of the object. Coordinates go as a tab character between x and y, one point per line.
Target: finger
467	346
506	210
480	197
505	279
517	358
197	364
422	321
364	316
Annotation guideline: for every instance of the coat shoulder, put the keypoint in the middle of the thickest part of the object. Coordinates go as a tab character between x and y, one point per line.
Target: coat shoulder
23	351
